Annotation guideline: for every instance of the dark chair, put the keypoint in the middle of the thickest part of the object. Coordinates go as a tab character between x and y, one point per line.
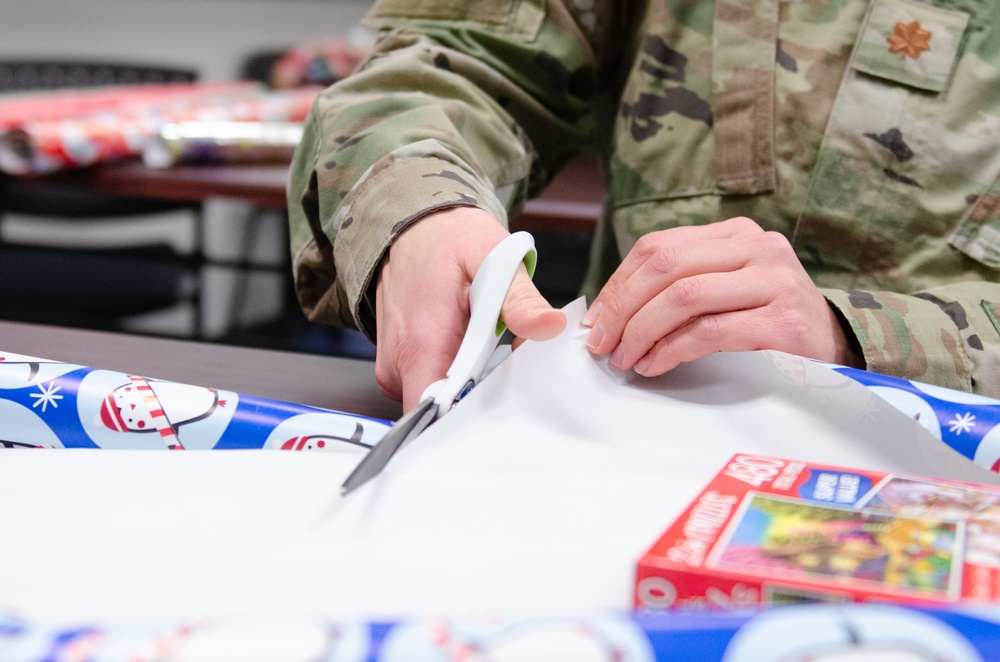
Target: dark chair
259	66
42	74
95	287
291	330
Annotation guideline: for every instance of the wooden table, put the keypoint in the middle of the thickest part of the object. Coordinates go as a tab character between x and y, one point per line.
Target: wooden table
321	381
573	201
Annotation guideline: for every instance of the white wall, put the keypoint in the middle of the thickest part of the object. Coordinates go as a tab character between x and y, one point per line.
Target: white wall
214	37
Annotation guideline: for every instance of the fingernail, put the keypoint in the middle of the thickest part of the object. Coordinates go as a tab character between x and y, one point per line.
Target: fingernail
595	337
618	356
592	314
643	365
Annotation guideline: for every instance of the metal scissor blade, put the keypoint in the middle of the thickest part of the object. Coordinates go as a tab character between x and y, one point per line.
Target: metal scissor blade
486	297
410	425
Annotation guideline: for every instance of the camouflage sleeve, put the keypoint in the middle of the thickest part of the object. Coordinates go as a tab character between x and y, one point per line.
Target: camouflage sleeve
949	336
461	103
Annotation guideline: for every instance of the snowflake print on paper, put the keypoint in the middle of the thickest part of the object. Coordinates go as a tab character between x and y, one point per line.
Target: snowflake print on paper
961	423
47	396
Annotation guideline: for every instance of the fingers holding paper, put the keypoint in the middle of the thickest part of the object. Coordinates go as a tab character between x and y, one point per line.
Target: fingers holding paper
422	299
687	292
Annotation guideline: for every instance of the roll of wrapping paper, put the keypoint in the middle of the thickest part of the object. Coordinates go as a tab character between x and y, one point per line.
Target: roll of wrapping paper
222	142
24	107
968	423
800	631
50	404
44	146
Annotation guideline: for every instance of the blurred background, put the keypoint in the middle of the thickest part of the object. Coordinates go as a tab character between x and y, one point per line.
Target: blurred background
213	36
216	269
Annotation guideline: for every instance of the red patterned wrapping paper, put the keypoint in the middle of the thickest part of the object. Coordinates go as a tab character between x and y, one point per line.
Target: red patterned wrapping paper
16	110
65	140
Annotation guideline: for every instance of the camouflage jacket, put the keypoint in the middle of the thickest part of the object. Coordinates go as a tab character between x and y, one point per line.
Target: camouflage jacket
867	132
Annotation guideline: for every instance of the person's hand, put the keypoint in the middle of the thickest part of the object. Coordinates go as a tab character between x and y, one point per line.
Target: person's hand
690	291
422	299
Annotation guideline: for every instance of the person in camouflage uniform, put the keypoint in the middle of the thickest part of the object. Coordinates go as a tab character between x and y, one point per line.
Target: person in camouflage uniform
861	136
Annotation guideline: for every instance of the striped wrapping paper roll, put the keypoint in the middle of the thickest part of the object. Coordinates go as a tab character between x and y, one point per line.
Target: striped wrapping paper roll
49	404
222	142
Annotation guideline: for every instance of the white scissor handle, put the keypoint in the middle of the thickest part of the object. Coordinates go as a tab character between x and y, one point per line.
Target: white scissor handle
486	297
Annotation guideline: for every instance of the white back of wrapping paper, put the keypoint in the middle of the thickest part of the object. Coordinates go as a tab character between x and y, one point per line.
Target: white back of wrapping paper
539	492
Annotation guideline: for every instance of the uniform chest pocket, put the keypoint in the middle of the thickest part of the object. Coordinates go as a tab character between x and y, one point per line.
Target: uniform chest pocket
923	54
913	139
696	117
911	43
978	233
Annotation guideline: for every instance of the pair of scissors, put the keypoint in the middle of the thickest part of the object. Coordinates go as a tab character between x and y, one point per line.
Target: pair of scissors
475	354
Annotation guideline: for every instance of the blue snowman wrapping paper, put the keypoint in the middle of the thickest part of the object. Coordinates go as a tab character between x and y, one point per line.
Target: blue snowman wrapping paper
968	423
49	404
799	633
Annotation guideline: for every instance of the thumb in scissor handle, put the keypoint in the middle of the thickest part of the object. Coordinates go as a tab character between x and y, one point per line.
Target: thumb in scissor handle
486	298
